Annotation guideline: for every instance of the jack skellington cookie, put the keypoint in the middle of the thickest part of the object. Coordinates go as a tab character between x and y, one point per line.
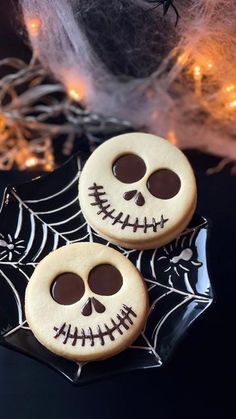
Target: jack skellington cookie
137	191
86	301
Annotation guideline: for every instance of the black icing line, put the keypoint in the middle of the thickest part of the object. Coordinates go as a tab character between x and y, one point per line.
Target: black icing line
103	205
124	320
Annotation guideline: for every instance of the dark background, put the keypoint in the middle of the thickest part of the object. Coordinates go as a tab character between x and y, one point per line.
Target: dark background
199	380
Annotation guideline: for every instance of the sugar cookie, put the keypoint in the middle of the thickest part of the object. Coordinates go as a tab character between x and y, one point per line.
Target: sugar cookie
86	301
137	191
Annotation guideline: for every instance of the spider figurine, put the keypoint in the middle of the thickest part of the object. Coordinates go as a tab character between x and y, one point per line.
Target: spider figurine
166	5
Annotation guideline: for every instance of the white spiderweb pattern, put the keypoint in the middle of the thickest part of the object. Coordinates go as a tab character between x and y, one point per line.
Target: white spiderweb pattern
43	215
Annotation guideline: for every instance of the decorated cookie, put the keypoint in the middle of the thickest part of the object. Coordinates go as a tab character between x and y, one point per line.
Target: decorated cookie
137	191
86	302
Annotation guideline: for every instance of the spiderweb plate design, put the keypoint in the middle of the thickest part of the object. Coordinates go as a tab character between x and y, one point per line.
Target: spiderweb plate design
42	215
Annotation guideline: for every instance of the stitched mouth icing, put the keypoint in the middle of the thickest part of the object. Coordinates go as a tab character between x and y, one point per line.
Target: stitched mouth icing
74	337
106	210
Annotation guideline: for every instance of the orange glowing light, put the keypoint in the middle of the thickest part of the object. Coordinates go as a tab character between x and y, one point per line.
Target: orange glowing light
210	66
77	91
32	161
34	25
182	58
232	104
197	73
230	88
3	122
229	96
48	167
171	137
74	94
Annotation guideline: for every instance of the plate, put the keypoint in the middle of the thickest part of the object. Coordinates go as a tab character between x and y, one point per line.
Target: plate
39	216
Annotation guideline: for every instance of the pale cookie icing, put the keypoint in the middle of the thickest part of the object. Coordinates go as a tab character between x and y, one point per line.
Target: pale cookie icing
86	301
137	191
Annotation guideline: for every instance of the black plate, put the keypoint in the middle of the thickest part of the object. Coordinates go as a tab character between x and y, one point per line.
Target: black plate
40	216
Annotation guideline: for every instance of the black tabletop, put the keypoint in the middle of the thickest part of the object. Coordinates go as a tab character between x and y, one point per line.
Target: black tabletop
200	378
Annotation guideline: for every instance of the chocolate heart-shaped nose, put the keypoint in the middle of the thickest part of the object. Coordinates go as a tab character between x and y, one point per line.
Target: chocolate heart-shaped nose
87	308
90	304
99	307
129	195
139	200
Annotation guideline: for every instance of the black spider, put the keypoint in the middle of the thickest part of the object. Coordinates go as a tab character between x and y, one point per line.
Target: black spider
166	5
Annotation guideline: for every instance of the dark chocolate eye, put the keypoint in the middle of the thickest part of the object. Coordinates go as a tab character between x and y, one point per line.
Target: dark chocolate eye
164	184
67	288
129	168
105	280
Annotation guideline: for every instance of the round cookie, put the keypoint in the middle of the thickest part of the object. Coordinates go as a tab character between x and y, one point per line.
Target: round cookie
137	191
86	301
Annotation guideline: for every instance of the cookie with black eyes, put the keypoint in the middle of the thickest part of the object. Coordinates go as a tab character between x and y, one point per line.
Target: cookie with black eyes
137	191
85	302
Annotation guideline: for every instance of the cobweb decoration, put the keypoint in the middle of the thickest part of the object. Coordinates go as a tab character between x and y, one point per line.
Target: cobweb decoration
39	217
189	97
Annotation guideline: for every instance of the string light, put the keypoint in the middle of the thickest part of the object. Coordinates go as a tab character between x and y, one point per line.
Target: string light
31	162
183	58
232	104
230	88
74	94
171	136
76	90
76	86
197	73
228	96
28	107
224	98
33	25
2	123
